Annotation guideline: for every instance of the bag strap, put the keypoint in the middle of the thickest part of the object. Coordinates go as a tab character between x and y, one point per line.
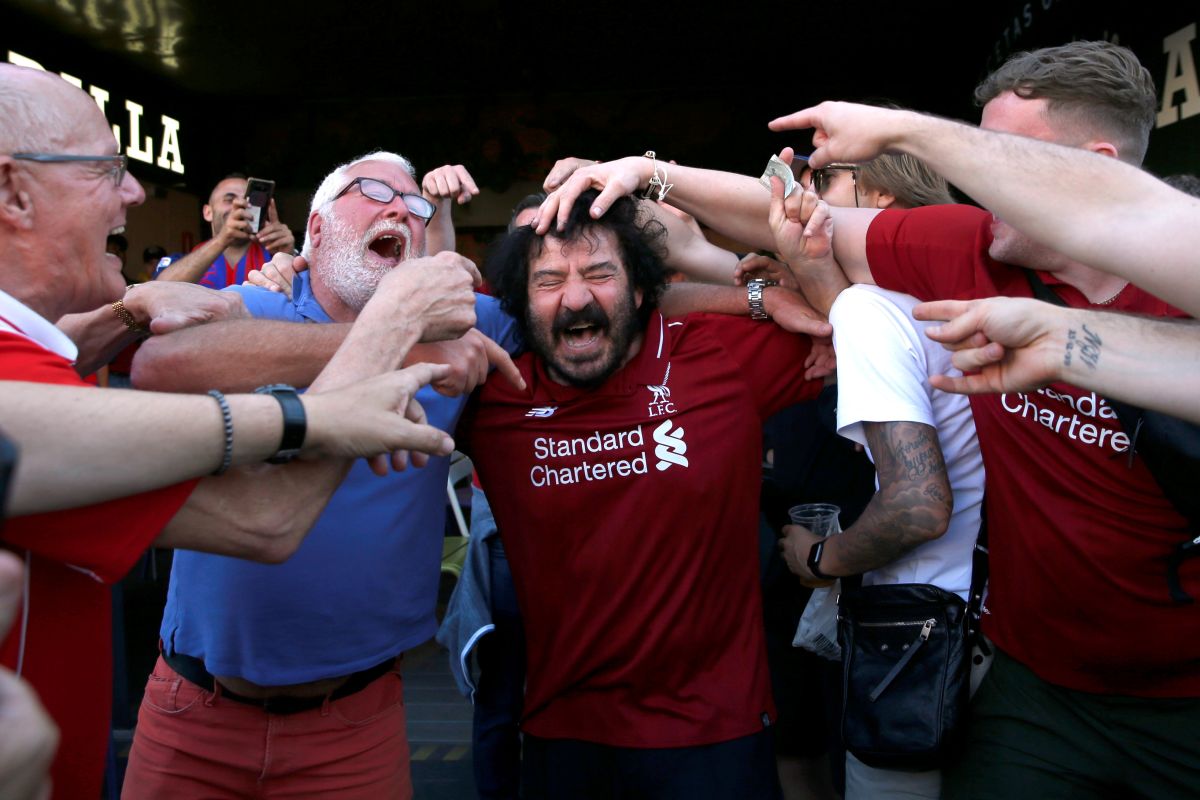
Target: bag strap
899	666
1170	449
979	578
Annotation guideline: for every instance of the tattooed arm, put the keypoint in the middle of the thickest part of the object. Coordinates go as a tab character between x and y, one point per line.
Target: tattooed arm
912	506
1013	345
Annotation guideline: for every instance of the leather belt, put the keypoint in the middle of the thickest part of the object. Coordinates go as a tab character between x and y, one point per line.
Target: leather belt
193	670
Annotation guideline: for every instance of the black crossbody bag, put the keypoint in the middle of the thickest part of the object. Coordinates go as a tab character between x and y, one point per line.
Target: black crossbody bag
906	665
1170	448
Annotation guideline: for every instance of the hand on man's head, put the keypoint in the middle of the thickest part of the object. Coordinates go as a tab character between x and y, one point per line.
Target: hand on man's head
614	179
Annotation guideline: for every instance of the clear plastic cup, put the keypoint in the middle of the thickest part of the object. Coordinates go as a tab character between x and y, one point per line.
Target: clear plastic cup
820	518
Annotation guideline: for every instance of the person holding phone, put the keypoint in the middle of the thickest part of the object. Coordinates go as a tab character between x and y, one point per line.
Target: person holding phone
237	247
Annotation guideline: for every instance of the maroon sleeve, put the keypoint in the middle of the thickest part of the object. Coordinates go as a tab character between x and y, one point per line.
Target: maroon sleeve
934	253
769	358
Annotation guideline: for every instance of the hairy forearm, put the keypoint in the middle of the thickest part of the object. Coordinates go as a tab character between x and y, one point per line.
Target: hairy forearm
369	349
79	446
912	506
732	205
261	513
236	356
1149	362
1097	210
680	299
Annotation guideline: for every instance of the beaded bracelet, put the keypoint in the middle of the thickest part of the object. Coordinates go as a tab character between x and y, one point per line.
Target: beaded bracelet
227	419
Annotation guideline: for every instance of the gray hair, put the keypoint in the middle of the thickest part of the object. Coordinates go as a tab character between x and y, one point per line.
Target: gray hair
32	119
334	180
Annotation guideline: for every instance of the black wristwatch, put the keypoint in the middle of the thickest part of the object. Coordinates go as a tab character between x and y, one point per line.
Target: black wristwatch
814	561
295	423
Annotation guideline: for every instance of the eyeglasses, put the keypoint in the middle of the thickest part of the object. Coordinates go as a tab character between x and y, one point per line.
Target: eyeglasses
380	192
118	164
822	177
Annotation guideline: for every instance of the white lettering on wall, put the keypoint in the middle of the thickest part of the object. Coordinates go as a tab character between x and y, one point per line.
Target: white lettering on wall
168	156
1181	77
134	148
138	147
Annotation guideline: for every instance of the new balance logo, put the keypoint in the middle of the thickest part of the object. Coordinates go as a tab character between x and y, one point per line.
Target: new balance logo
541	411
670	446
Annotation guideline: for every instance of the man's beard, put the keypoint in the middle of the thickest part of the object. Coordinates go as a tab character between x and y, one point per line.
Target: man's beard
621	329
344	265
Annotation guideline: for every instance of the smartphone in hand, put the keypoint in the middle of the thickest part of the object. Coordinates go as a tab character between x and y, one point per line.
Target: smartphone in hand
258	196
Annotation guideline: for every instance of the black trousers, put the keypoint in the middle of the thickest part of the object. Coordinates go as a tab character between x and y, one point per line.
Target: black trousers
569	769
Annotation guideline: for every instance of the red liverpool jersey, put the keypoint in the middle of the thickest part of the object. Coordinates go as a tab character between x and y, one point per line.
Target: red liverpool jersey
1079	531
629	514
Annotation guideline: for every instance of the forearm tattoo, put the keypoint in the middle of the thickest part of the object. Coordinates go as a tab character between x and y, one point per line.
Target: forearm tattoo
913	503
1086	345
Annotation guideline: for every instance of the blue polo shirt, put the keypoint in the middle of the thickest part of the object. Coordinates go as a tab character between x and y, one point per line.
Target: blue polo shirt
364	583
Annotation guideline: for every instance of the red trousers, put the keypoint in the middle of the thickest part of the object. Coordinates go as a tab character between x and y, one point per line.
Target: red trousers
193	743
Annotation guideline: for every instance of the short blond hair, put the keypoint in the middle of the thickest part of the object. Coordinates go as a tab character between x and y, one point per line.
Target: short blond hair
907	179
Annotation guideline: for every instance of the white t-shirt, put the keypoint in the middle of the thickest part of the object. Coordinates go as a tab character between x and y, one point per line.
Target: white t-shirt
884	360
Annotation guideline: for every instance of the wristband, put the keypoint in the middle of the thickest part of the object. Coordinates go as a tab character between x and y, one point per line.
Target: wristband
814	561
295	422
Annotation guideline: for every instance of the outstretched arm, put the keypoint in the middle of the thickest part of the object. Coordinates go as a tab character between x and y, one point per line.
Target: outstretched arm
266	516
1013	344
67	435
264	512
732	205
1100	211
242	355
153	307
